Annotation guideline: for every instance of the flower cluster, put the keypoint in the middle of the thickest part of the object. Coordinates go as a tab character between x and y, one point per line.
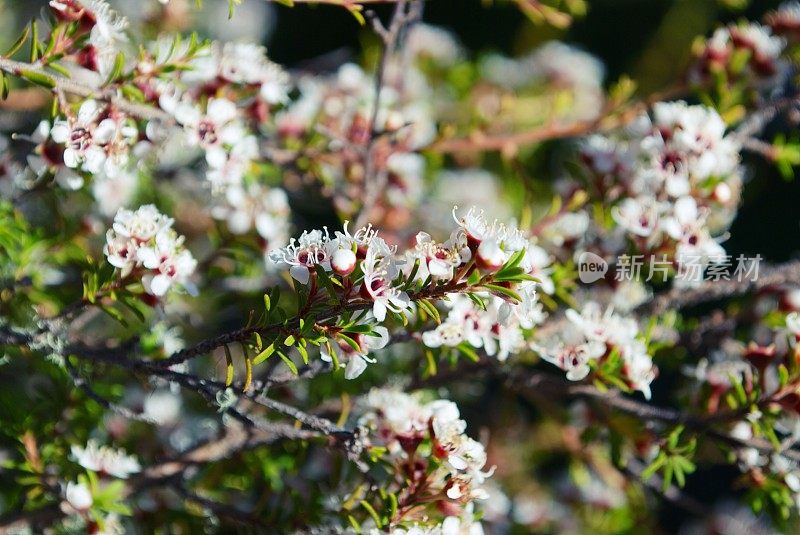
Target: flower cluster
427	440
98	140
572	77
490	327
342	254
220	96
256	206
106	30
593	337
341	109
750	45
675	178
144	242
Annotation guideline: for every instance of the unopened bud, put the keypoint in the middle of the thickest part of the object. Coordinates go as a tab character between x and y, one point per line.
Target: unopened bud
343	262
490	256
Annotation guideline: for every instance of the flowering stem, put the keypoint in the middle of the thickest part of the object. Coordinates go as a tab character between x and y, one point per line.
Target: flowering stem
67	85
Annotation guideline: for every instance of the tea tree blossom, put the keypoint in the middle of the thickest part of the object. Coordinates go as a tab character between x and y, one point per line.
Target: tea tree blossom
258	207
677	176
590	336
78	498
762	50
95	139
105	460
144	242
304	254
357	360
379	271
455	468
498	336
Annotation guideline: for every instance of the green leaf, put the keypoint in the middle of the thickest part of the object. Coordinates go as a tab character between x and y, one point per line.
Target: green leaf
38	78
503	291
290	340
474	278
228	367
467	349
288	362
4	87
303	353
63	71
18	43
248	368
248	372
114	313
355	11
131	92
34	42
116	70
349	341
264	354
430	309
648	472
373	513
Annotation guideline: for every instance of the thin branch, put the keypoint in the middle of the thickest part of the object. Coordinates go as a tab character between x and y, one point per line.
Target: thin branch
67	85
608	118
374	183
768	276
125	412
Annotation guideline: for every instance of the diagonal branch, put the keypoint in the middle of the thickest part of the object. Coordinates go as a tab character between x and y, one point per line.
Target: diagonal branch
70	86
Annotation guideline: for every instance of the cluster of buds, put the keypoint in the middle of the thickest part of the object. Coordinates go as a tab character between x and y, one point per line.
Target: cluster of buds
427	444
599	339
143	243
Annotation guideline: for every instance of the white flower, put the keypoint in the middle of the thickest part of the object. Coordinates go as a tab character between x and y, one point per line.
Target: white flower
169	262
303	254
571	353
439	260
144	239
432	42
357	360
638	216
114	192
379	272
256	206
78	497
105	460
